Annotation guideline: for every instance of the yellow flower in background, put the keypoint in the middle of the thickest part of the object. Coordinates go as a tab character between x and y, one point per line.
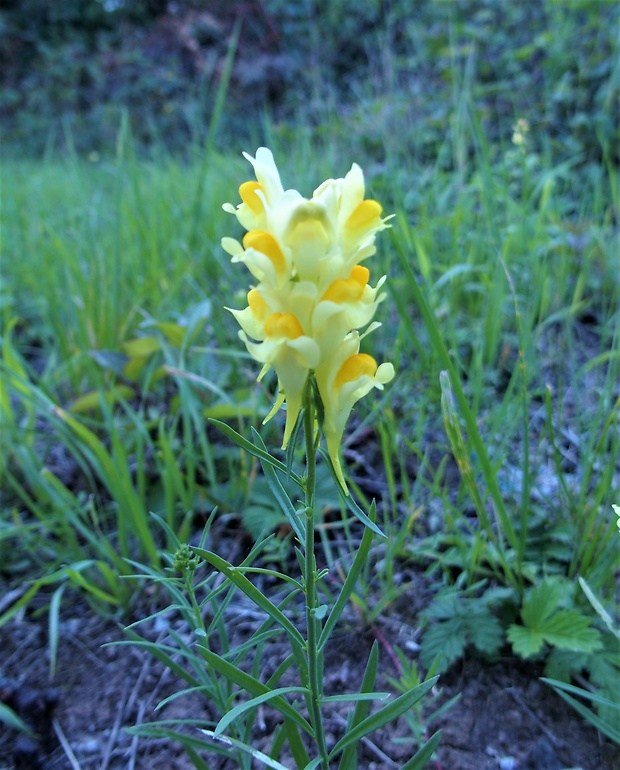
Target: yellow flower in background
312	292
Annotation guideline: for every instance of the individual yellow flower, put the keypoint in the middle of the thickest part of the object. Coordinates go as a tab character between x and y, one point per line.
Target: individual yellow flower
312	292
342	380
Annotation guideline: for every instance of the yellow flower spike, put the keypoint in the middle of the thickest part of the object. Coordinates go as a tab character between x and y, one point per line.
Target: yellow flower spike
366	214
247	193
311	292
266	244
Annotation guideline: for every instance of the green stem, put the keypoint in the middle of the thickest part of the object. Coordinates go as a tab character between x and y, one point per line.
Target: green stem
315	663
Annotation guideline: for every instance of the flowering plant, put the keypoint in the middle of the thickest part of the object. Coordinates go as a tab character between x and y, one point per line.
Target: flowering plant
312	294
311	297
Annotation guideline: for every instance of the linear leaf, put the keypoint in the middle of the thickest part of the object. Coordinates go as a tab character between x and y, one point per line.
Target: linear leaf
347	761
10	718
275	485
249	589
562	689
421	757
386	714
249	447
354	697
274	764
253	686
237	711
350	582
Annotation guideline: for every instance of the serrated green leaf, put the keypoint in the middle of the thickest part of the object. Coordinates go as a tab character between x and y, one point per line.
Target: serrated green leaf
541	601
486	632
570	630
447	638
565	629
525	641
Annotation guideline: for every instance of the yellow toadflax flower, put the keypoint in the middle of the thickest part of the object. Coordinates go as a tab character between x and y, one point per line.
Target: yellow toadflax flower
312	294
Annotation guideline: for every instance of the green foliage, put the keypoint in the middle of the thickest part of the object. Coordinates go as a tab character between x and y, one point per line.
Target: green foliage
461	622
220	667
380	66
547	619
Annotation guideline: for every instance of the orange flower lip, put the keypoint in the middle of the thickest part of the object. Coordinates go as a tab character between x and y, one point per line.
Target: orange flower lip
355	367
283	325
247	193
262	241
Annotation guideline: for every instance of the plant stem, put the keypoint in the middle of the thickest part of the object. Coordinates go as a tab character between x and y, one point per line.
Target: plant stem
315	662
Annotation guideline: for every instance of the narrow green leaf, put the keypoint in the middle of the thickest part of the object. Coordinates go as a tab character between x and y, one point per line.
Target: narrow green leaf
296	522
473	433
249	447
237	711
53	624
158	651
599	609
348	499
161	730
253	686
227	741
348	759
354	697
249	589
421	757
10	718
387	714
350	582
563	689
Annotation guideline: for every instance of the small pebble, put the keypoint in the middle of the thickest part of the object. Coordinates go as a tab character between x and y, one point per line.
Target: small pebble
507	763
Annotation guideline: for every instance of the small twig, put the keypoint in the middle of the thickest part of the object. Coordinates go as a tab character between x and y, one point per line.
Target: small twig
517	698
114	732
135	739
10	597
65	745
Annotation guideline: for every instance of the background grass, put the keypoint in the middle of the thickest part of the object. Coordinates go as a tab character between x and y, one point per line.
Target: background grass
492	141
